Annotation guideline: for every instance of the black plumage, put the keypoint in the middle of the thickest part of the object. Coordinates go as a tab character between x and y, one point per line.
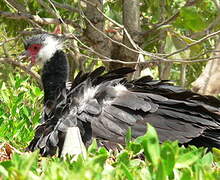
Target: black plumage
105	105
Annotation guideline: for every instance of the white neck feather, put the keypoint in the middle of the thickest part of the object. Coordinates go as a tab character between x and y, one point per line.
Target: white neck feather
48	50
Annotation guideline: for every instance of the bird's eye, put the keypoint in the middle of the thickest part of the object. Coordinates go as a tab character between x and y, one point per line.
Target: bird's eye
35	47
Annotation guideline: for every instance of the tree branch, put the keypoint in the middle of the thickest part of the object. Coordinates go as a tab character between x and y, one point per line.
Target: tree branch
35	18
18	6
23	67
194	43
65	6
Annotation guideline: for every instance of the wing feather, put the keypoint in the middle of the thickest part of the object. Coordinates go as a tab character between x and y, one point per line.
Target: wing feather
108	112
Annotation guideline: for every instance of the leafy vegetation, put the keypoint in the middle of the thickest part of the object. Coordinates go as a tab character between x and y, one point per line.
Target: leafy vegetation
19	109
142	158
189	22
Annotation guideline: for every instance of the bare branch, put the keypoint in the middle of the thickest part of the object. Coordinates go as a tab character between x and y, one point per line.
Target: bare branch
65	6
35	18
172	18
47	7
18	6
100	11
8	40
23	67
107	59
194	43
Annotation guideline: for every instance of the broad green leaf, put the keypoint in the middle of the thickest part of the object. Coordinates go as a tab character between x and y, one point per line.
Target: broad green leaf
150	143
207	159
37	91
99	159
103	151
186	174
126	171
168	158
192	19
187	159
135	147
161	173
123	157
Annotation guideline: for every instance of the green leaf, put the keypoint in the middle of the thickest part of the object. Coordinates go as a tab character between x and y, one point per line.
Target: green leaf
125	169
216	153
128	137
186	174
207	159
3	172
99	159
192	19
187	159
103	151
123	157
135	147
150	143
25	111
37	91
161	173
168	158
93	147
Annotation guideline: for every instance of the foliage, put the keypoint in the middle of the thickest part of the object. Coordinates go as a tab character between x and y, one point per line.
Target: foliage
19	109
193	20
143	158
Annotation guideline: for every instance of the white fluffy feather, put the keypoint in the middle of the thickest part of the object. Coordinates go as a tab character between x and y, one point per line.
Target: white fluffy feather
49	48
91	92
120	88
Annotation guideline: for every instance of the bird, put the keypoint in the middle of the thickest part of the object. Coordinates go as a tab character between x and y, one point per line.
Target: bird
105	105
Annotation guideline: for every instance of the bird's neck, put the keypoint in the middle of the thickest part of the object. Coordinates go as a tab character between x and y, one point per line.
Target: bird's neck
54	75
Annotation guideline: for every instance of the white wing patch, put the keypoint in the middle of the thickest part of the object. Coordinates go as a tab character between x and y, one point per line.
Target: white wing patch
88	94
119	88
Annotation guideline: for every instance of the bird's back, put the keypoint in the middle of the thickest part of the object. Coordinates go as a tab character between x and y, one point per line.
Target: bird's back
106	105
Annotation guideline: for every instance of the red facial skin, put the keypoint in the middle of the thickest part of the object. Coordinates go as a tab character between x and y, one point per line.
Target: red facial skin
32	51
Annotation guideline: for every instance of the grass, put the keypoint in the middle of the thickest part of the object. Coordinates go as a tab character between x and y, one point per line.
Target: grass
142	158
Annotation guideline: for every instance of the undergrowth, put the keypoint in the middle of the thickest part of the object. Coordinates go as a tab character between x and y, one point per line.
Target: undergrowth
142	158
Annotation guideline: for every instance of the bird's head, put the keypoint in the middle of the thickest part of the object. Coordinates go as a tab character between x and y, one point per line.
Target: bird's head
40	48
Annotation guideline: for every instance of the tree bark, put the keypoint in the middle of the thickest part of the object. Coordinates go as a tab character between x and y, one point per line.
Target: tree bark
96	39
208	82
131	21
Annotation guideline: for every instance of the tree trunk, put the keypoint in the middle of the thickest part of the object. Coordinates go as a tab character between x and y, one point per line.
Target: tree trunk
97	40
131	21
208	82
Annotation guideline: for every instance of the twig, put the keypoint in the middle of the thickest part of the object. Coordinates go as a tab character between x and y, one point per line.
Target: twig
16	5
47	8
8	40
65	6
35	18
107	59
23	67
161	24
194	43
